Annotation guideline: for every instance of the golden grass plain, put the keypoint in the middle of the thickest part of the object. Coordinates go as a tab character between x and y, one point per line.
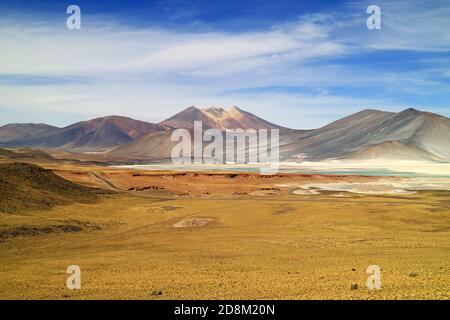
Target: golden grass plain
261	242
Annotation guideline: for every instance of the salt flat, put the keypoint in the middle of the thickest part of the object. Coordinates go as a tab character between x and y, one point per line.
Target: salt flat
370	167
374	167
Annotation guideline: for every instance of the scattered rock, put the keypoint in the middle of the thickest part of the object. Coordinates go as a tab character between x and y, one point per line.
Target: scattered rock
354	287
353	269
413	274
145	188
157	293
271	189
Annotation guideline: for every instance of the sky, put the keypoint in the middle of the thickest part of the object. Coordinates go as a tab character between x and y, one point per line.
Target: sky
300	64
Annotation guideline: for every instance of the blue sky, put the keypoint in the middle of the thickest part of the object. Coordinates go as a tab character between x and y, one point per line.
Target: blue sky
298	63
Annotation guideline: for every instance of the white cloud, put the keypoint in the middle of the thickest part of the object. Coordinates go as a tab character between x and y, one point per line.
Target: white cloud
151	73
100	49
406	25
154	103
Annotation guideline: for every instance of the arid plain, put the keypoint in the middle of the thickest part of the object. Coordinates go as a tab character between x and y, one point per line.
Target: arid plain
207	235
138	138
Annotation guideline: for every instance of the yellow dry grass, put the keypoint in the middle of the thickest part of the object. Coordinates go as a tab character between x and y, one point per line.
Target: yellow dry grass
279	246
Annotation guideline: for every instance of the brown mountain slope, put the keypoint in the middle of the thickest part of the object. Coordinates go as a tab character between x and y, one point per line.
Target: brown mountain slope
185	119
96	134
235	118
14	131
159	145
218	118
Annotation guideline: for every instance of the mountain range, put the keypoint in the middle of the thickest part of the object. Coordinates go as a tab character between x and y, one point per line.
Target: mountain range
93	135
368	134
365	135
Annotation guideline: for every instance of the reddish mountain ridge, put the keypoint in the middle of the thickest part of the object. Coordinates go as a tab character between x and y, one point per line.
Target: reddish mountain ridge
218	118
15	131
96	134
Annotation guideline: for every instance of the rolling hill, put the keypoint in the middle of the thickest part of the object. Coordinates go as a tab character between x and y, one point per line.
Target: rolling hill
26	155
30	187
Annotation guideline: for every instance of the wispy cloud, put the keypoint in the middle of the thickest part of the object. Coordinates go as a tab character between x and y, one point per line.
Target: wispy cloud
414	25
110	48
109	67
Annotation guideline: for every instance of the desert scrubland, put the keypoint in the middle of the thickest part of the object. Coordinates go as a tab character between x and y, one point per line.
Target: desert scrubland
205	235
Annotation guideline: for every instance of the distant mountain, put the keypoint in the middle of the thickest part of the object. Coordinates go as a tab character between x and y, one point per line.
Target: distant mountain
15	131
235	118
185	119
159	145
218	118
368	134
96	134
422	131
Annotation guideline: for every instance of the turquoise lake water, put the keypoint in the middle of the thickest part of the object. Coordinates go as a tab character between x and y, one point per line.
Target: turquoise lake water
288	169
